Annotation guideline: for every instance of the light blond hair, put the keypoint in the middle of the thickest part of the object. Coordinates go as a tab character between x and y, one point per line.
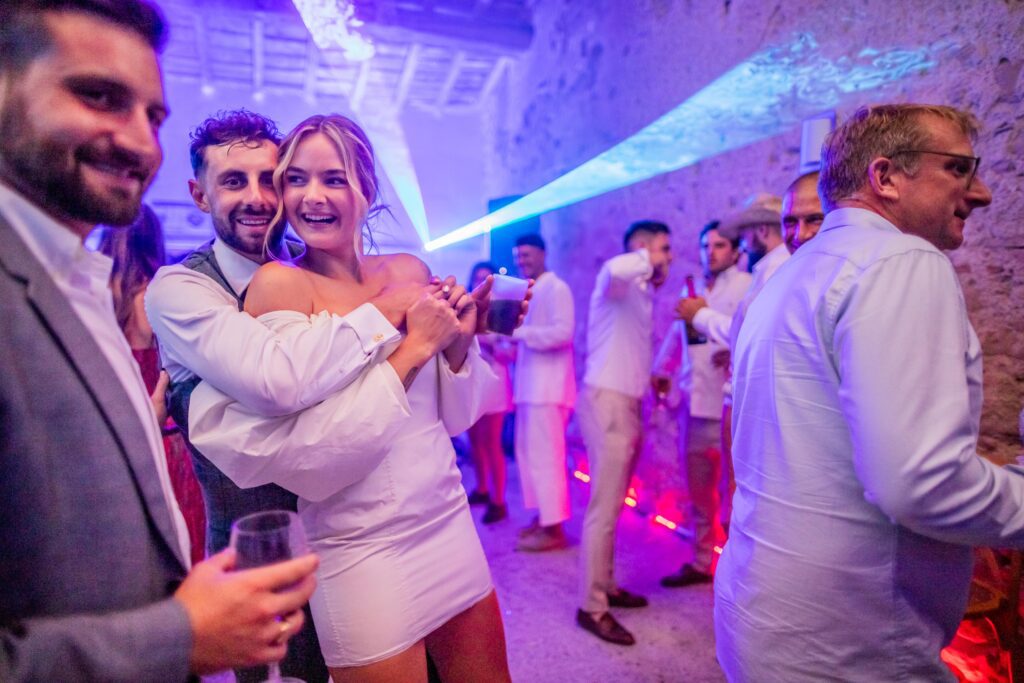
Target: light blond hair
880	131
358	162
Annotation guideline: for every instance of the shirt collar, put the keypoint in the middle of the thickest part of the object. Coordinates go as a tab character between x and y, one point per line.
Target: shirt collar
728	274
774	257
237	269
57	248
837	218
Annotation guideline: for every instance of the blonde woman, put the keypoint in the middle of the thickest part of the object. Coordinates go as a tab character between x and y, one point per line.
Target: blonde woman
402	572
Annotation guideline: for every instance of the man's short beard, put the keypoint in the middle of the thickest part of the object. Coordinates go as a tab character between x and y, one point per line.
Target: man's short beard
48	173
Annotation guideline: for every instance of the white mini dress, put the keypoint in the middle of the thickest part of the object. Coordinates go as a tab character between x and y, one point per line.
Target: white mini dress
399	554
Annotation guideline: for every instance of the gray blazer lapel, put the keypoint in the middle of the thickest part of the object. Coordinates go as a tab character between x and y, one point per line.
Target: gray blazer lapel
86	358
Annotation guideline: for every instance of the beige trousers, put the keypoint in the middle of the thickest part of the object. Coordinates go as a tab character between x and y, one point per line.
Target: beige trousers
610	422
703	466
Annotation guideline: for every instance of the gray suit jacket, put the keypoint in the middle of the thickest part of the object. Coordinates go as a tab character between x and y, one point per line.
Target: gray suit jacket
88	558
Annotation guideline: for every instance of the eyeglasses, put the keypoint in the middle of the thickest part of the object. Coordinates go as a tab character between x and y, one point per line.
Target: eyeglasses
968	165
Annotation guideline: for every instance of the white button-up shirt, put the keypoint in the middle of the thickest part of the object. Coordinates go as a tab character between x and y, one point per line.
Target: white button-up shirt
83	277
859	489
202	332
545	371
719	326
697	376
619	328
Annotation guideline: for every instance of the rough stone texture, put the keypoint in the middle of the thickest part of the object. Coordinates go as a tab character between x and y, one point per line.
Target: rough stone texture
600	71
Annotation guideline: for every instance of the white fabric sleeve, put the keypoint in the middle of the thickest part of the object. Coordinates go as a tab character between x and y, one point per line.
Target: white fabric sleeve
619	272
902	345
555	326
713	324
271	374
313	453
463	396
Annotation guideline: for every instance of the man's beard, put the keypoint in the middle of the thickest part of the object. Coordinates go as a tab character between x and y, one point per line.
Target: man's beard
229	235
49	173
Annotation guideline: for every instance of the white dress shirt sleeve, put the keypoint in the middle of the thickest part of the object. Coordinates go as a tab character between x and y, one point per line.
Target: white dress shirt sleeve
464	395
713	324
314	453
270	374
913	415
620	272
555	330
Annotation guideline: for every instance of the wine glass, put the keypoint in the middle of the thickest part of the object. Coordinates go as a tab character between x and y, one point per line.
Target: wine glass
263	538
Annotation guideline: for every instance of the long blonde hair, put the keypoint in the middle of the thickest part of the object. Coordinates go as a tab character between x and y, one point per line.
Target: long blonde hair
358	161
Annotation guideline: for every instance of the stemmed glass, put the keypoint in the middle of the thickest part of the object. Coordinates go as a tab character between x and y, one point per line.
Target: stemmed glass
264	538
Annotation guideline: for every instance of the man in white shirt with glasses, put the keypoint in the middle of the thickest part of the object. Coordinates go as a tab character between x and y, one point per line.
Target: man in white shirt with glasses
857	398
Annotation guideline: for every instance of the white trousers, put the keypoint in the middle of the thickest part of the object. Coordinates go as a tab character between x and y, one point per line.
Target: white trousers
610	422
540	454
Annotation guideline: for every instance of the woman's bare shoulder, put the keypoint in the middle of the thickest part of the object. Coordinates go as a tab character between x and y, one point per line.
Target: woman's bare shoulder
279	286
404	268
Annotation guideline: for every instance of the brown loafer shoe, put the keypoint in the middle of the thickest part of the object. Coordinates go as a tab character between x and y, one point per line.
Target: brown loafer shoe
686	576
623	598
543	539
605	628
530	528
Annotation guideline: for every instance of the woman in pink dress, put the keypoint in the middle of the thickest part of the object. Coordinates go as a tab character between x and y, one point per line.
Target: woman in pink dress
137	252
485	435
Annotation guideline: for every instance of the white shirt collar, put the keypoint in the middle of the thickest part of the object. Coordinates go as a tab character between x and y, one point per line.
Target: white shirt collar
58	249
837	218
237	269
773	258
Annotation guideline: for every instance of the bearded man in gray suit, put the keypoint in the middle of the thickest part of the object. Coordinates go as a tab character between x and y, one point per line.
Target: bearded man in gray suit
93	584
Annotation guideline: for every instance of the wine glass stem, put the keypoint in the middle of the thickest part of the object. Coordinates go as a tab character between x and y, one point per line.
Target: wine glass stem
273	673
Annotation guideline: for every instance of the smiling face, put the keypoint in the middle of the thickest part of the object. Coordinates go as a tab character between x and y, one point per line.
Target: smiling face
319	202
529	260
934	202
78	127
236	188
801	212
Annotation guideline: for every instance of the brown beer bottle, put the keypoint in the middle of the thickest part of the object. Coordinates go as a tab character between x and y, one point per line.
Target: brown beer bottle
692	335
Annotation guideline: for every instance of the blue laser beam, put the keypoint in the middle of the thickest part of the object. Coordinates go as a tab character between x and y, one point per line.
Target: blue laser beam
757	99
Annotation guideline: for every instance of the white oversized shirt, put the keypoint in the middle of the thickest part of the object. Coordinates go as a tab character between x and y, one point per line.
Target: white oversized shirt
545	370
202	332
83	277
619	328
718	326
859	491
696	374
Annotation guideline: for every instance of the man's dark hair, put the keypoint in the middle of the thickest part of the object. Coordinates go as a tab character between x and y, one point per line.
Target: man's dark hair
23	33
643	228
713	225
239	126
532	239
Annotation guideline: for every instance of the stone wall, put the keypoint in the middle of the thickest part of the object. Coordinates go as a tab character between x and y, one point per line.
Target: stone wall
599	71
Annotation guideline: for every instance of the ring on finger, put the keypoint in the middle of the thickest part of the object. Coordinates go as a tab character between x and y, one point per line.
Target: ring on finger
282	634
446	290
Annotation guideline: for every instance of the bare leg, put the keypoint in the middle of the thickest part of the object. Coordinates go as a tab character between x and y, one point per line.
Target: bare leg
470	646
408	666
478	443
496	465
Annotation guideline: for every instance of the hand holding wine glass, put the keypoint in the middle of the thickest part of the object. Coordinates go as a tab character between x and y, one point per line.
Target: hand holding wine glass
244	618
268	538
